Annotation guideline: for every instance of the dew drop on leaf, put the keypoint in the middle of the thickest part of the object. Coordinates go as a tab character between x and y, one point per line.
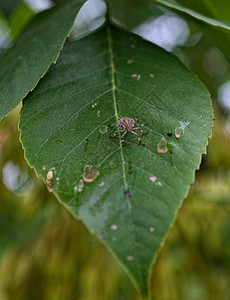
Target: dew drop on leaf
151	229
178	132
80	185
161	146
102	183
129	257
103	129
90	173
93	105
183	125
113	227
49	181
153	178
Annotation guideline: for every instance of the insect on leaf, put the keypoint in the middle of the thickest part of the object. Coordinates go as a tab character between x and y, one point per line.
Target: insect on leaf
128	196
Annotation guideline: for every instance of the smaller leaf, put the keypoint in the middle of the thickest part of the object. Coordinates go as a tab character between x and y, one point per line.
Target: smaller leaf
194	14
20	18
22	66
8	6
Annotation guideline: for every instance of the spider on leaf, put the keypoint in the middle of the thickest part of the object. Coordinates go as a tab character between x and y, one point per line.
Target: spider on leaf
126	125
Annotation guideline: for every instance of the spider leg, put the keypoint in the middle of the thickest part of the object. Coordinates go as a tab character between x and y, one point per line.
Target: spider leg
124	143
139	139
144	133
113	125
116	133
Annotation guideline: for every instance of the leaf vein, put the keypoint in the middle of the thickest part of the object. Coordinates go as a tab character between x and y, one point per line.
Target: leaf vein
72	117
65	99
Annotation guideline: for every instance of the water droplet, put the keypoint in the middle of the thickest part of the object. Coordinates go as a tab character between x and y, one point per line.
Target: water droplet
113	227
50	181
161	146
75	189
57	178
172	144
129	61
204	125
90	173
102	183
103	129
49	175
43	167
80	185
183	125
153	178
158	183
151	75
151	229
128	193
98	113
93	105
129	257
178	132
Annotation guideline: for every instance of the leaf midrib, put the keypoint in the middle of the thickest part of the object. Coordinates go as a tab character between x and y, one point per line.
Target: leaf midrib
114	88
115	99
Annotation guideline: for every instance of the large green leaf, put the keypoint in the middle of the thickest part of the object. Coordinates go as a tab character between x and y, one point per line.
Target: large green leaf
130	195
183	9
22	66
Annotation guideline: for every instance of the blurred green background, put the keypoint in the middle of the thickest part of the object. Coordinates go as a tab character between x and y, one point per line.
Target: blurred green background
46	254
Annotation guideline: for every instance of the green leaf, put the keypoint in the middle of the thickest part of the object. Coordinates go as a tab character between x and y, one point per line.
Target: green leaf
20	18
194	14
137	10
8	6
128	196
22	66
215	9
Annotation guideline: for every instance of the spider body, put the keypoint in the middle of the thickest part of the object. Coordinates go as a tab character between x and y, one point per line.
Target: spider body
125	125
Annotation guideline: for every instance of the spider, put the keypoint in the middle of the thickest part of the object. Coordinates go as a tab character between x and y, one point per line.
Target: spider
125	125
